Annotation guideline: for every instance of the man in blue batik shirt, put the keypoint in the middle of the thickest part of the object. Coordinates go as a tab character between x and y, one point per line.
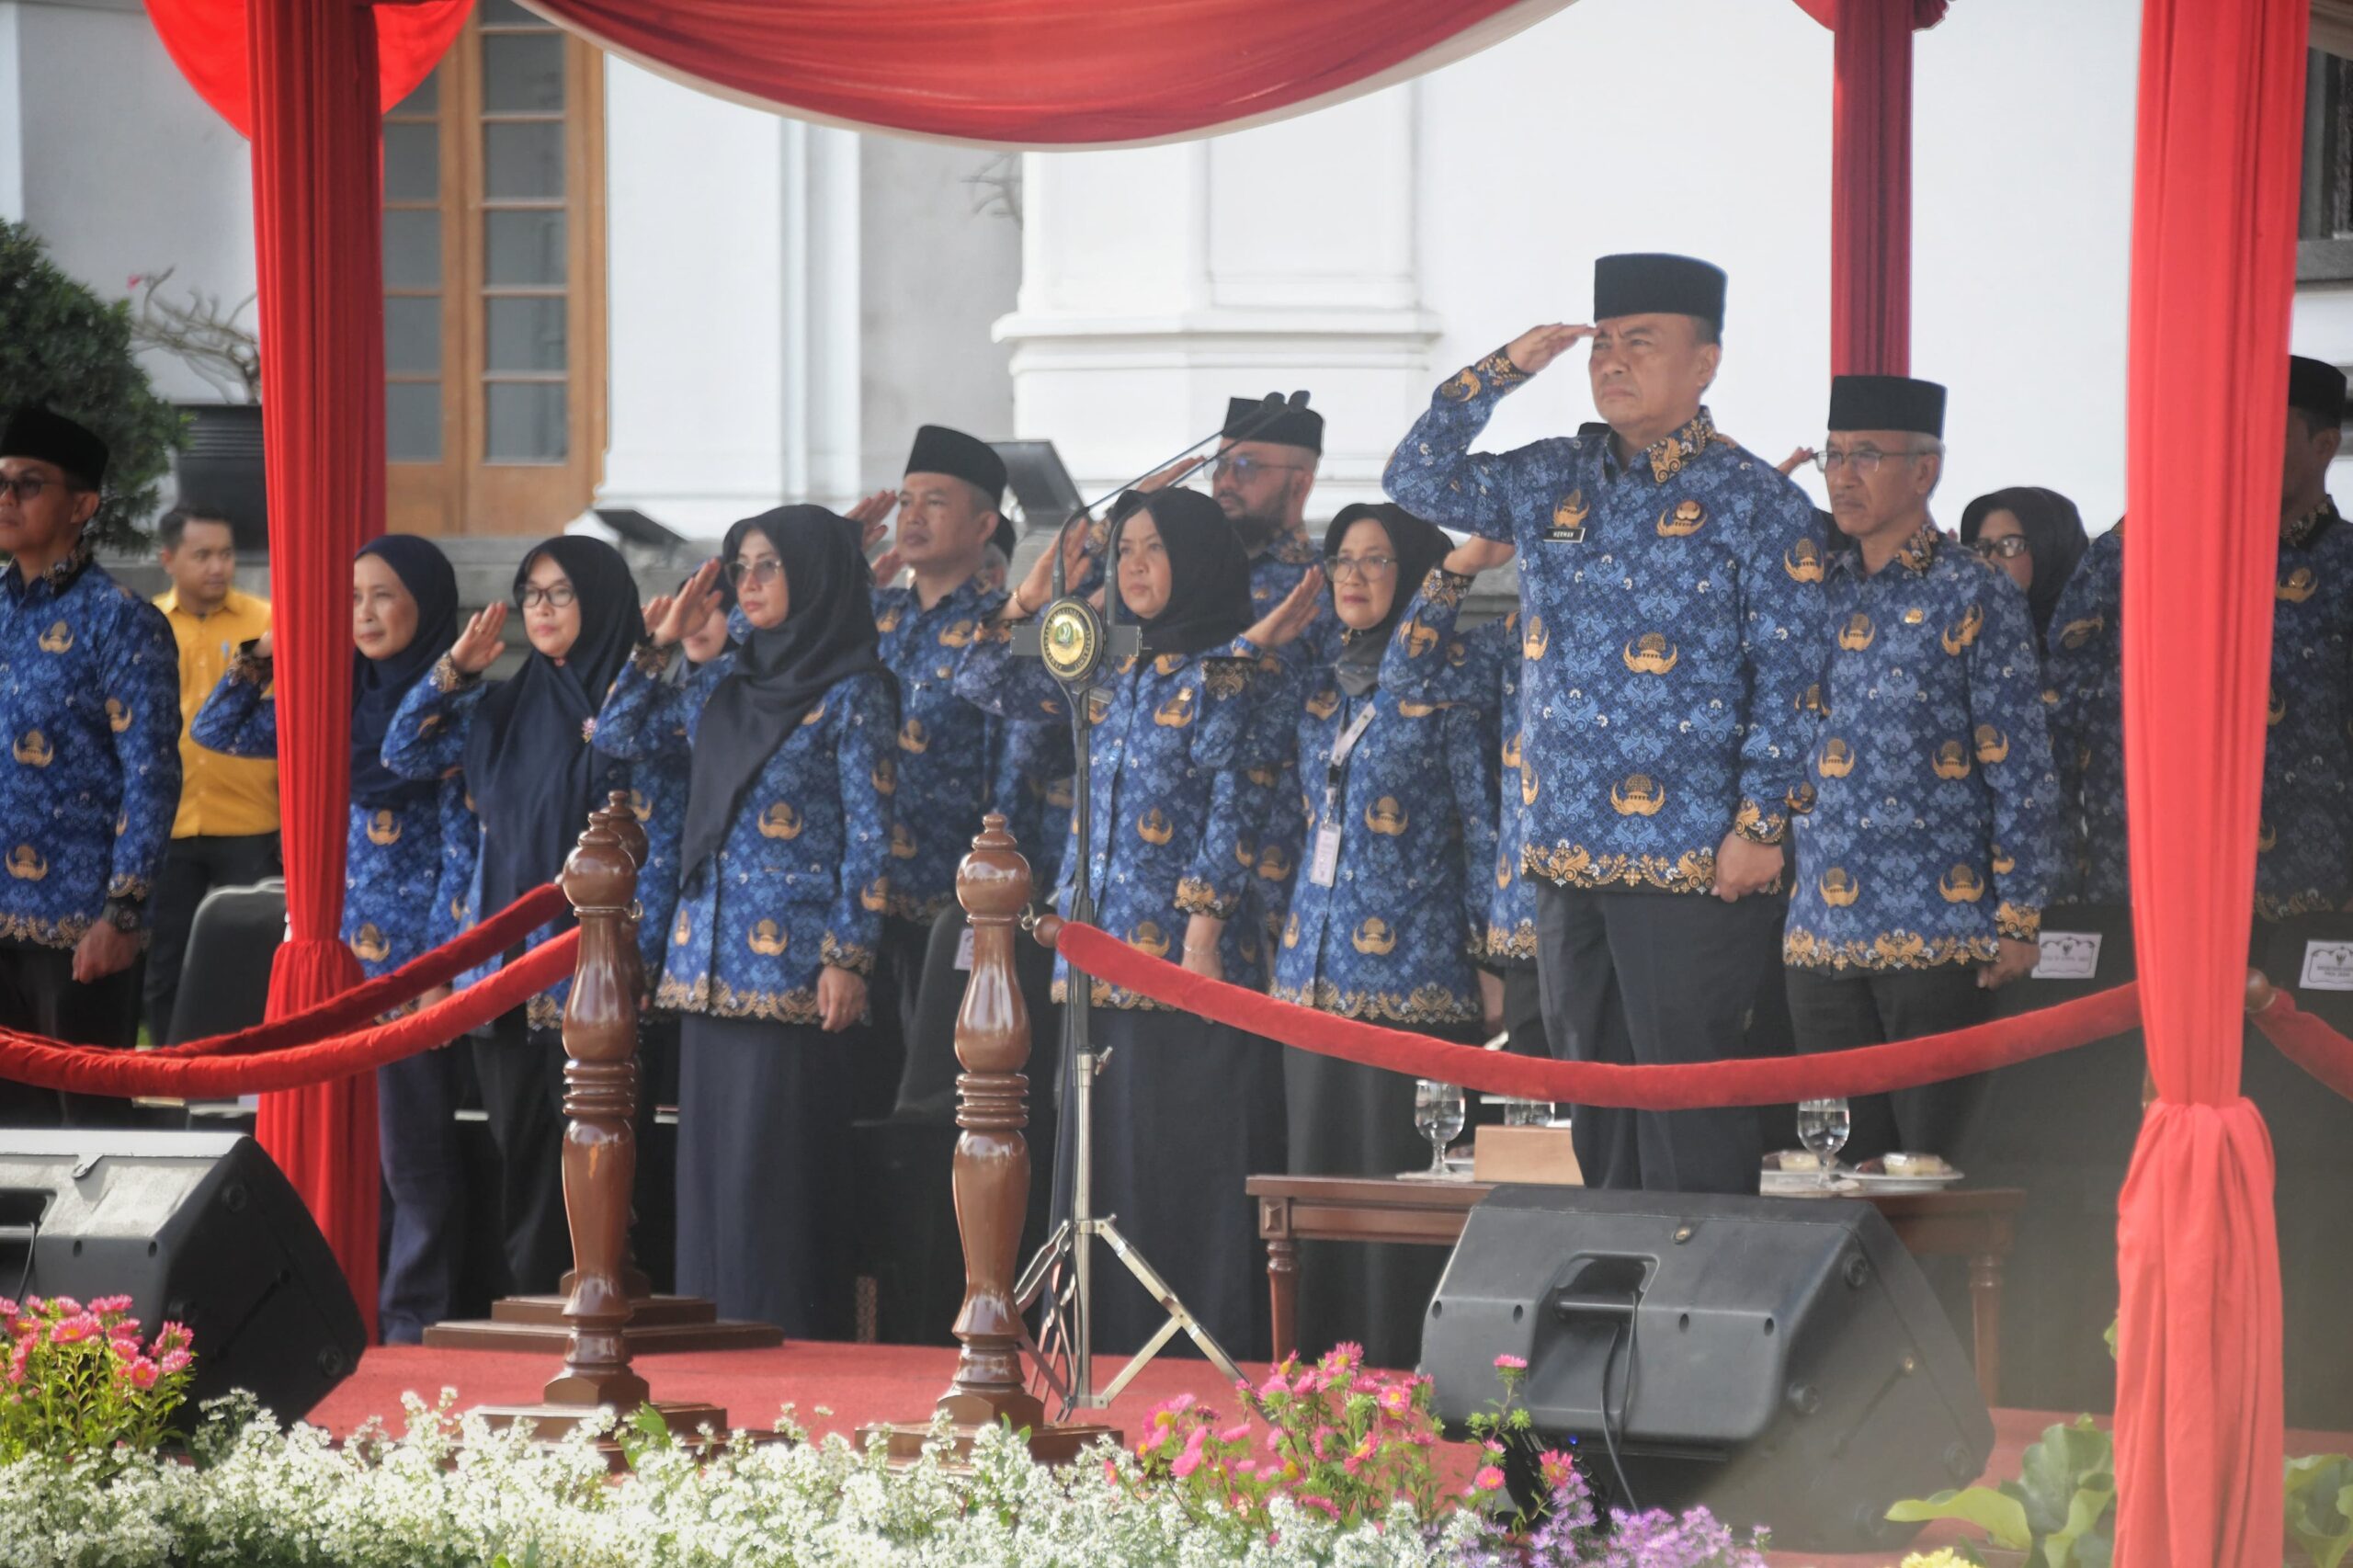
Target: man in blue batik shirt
89	699
1670	621
1926	856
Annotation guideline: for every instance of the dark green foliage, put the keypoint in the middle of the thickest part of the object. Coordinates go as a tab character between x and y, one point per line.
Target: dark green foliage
60	344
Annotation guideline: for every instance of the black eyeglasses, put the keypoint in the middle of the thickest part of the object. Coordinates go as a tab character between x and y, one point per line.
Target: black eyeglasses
764	570
1867	460
2002	548
1242	466
28	486
1346	568
560	597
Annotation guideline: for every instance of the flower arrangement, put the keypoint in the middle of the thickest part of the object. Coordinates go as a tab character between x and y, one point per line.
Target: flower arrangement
79	1380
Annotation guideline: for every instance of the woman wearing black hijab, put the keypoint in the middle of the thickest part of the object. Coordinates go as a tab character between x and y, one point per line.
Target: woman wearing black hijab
521	748
784	859
1185	1110
396	898
2036	535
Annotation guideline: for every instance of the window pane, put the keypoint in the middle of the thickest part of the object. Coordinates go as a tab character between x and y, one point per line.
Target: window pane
507	14
526	422
413	422
522	73
413	337
524	335
412	163
412	250
522	161
523	248
426	99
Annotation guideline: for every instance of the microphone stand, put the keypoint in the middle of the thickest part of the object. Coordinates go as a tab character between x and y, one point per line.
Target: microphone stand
1074	640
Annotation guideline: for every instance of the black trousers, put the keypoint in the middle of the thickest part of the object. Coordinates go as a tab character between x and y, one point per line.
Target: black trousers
1836	1012
520	1072
1524	1011
40	996
1648	978
879	1062
194	867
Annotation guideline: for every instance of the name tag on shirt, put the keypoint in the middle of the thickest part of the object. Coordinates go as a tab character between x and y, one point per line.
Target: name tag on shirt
2068	955
964	949
2328	966
1324	864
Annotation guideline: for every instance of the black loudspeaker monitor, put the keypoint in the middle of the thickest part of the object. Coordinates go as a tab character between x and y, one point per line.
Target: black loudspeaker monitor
1782	1361
198	1227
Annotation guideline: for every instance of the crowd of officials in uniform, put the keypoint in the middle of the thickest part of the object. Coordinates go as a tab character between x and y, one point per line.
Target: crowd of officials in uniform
1735	773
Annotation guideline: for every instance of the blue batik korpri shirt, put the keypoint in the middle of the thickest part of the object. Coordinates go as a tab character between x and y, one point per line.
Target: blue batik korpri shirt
659	776
801	880
1169	741
1934	823
955	763
1671	617
1393	935
2304	846
396	889
90	698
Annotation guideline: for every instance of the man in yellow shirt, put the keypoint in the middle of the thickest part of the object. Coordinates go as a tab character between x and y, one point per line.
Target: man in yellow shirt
226	832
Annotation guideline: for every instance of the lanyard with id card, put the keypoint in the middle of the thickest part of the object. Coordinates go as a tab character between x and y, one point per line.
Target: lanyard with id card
1323	865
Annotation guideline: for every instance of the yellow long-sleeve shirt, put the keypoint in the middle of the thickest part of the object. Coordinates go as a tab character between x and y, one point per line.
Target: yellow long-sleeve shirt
220	796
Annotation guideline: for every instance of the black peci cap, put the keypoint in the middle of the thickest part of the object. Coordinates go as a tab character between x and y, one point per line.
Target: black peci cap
940	450
2316	388
1246	420
1646	282
36	433
1887	403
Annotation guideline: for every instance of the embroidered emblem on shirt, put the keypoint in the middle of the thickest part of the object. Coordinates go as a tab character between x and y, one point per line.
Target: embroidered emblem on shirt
1687	519
1857	633
912	737
1147	938
118	715
1416	639
1640	796
767	939
1961	885
1533	647
1650	654
368	944
2075	634
1274	865
1838	758
1963	633
1511	750
875	896
888	622
956	634
1414	709
1374	936
24	864
1526	785
1153	826
1840	888
884	776
812	715
1178	711
2004	861
383	828
1914	617
34	750
640	807
1992	744
2298	585
1803	562
1385	817
1951	760
680	933
903	842
2275	708
57	639
1291	930
780	820
1568	520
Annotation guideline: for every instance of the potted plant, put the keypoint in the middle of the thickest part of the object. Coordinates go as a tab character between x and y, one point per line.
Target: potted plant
62	346
220	465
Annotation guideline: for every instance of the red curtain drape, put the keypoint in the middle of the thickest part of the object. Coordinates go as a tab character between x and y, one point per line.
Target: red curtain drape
317	194
2198	1401
1042	73
206	39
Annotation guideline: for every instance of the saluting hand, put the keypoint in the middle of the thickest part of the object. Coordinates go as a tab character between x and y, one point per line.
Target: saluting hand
872	516
1038	586
262	646
671	619
1539	346
1175	473
1797	458
886	567
841	998
1283	624
2018	962
479	645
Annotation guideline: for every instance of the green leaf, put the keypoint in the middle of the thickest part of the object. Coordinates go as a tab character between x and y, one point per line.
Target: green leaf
2000	1515
2086	1510
2069	1458
2319	1499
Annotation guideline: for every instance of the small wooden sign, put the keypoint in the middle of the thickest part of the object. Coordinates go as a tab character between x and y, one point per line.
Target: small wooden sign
1541	1156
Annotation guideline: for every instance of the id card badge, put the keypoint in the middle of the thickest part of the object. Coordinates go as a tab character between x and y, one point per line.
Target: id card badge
2068	955
1323	865
964	949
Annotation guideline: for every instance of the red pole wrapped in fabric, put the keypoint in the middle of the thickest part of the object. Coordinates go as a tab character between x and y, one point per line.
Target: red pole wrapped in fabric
317	201
2199	1406
1870	190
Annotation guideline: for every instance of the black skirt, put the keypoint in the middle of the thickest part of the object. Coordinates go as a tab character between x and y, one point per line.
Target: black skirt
764	1172
1184	1112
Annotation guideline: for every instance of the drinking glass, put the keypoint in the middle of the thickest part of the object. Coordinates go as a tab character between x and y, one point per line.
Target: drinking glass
1822	1128
1528	1113
1437	1116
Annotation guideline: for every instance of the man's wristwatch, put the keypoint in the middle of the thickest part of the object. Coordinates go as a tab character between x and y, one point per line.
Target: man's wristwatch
129	918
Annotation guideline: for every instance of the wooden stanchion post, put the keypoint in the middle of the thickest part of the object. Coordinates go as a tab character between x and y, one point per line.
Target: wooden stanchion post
991	1171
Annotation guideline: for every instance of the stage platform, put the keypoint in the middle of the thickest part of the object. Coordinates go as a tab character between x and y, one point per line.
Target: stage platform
862	1383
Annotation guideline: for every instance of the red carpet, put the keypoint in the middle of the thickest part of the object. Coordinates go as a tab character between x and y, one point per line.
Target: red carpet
860	1383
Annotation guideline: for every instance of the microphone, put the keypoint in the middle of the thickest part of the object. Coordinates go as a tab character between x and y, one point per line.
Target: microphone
1272	407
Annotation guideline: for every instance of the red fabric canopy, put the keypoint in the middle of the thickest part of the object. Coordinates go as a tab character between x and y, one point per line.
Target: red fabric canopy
1043	73
206	39
2198	1409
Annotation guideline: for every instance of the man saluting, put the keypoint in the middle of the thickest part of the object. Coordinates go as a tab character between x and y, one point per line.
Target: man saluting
1670	599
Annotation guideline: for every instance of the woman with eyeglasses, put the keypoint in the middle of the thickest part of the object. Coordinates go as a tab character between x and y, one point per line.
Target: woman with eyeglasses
397	899
521	748
1388	915
1183	1110
784	845
2036	535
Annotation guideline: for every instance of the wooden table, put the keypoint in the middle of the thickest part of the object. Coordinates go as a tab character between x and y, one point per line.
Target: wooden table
1977	1223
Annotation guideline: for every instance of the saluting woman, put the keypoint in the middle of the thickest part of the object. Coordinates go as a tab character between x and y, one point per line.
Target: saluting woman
521	748
784	855
404	617
1389	918
1185	1109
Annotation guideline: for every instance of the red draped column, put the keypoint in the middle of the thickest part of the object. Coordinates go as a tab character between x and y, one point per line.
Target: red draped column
1870	188
317	201
2199	1409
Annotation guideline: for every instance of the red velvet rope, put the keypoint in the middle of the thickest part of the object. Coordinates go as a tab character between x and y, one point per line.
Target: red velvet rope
372	999
83	1070
1869	1070
2308	1042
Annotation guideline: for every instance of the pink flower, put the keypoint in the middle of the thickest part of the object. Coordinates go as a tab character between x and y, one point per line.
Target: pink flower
1273	1386
1190	1460
74	1330
1237	1432
173	1337
143	1373
1361	1455
105	1304
1321	1505
65	1305
1396	1399
1245	1467
8	1309
1511	1363
1110	1470
177	1361
1492	1448
124	1349
1556	1468
18	1358
1342	1359
1489	1479
1364	1382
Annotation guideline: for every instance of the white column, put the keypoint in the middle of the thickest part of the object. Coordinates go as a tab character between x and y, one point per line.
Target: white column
1157	283
821	341
12	117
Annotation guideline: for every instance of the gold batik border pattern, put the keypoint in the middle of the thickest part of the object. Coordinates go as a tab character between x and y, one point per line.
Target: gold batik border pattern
127	890
651	658
1423	1005
2268	907
1574	866
2017	923
447	678
1753	823
1518	942
718	1000
1498	372
1891	949
544	1012
64	933
835	953
244	666
1195	896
